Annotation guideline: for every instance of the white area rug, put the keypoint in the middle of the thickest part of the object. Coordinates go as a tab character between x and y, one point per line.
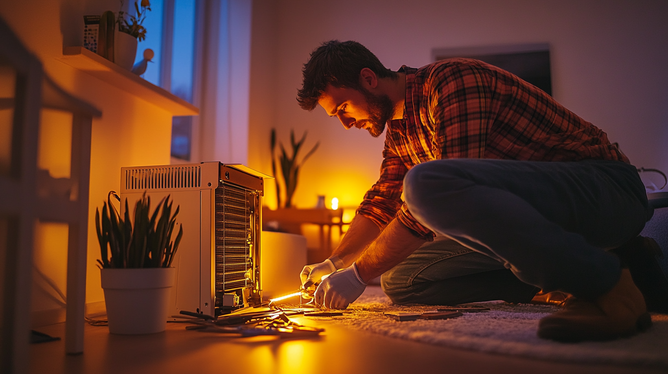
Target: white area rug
506	329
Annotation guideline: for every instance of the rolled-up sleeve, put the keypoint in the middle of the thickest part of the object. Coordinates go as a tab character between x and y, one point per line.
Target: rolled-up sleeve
412	224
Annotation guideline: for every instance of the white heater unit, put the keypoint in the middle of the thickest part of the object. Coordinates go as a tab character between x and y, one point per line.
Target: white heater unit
218	260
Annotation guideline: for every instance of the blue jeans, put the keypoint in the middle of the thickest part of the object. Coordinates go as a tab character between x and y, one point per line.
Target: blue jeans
550	223
444	272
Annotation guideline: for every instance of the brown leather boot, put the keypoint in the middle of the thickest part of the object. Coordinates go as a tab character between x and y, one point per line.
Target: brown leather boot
641	256
619	313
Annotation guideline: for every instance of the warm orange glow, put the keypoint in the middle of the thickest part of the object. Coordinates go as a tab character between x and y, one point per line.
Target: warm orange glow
346	183
293	358
285	297
55	142
335	203
349	214
263	357
49	248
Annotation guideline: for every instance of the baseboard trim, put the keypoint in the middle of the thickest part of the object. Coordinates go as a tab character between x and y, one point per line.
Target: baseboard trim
58	315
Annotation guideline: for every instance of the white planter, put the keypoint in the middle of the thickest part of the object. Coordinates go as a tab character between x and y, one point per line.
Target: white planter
125	50
137	300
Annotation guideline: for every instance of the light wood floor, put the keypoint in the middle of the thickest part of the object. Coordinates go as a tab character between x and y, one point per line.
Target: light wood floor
337	350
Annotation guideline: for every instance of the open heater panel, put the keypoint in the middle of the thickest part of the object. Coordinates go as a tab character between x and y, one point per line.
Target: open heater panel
218	260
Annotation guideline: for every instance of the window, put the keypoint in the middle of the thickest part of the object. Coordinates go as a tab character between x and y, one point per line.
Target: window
171	35
202	54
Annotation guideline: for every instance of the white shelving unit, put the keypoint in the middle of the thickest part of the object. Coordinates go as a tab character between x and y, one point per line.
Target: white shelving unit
26	92
107	71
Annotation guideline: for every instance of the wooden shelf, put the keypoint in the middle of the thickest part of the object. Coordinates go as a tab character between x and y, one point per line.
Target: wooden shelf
105	70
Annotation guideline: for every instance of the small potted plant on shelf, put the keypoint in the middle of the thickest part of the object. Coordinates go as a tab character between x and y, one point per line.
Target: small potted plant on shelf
119	34
137	251
133	24
130	25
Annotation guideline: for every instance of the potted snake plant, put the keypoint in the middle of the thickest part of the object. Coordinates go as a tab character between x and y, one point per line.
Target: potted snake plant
137	251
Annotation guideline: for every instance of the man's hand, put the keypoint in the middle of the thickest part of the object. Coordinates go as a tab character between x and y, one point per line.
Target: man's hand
340	289
312	274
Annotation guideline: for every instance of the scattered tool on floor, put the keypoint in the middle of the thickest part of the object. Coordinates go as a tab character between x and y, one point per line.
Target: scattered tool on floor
403	316
430	315
303	293
266	320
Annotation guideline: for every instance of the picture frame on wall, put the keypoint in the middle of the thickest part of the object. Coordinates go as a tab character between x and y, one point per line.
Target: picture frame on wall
530	62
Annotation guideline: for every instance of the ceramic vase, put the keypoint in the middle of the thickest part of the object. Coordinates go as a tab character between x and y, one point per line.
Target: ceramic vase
137	300
125	50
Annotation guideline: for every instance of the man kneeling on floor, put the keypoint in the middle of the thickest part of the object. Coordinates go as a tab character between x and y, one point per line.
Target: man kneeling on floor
489	190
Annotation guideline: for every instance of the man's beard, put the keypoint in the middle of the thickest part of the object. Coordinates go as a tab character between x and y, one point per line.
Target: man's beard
380	110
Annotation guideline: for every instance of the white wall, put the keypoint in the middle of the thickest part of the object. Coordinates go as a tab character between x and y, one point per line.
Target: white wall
609	65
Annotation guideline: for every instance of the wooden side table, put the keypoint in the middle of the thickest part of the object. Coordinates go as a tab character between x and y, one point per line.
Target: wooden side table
291	219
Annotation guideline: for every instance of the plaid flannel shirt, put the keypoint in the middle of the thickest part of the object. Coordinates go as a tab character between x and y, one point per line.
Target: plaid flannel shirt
462	108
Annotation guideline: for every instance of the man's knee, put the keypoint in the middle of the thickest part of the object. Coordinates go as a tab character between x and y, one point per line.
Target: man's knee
414	193
427	181
401	289
394	284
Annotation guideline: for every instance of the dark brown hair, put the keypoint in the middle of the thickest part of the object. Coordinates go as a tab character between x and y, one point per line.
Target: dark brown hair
339	64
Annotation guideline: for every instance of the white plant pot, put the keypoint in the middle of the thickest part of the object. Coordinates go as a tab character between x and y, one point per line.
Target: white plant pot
137	300
125	50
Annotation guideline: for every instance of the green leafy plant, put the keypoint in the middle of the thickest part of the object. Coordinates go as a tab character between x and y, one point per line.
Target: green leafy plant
143	242
132	24
288	165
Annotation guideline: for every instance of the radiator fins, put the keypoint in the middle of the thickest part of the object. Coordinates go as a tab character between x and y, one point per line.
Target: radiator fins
234	211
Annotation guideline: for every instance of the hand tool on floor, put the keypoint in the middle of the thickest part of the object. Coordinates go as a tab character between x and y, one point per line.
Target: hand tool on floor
302	292
310	286
430	315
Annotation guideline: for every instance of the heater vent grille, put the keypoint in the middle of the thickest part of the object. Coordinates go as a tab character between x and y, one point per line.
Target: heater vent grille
234	222
163	177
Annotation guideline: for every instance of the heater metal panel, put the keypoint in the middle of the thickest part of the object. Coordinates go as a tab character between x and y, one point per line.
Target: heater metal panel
220	210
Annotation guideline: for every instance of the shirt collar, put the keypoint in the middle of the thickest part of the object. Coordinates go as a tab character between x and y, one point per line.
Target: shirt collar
410	83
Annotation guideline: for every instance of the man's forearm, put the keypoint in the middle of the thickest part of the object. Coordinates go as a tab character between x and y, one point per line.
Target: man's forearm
360	234
392	246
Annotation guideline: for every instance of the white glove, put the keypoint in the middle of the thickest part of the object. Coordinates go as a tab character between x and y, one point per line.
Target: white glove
340	288
312	274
